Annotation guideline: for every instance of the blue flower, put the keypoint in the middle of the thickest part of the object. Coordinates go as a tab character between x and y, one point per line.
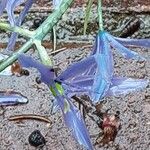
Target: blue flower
10	6
71	114
93	76
104	60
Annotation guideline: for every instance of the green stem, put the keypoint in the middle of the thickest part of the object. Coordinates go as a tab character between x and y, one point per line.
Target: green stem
42	53
24	32
100	15
40	33
15	55
48	24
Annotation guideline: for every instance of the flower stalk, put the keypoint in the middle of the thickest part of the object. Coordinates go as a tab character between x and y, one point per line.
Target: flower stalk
100	18
15	55
49	23
21	31
42	53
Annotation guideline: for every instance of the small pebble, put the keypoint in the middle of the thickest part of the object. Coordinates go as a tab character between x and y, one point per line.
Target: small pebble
36	139
25	72
37	22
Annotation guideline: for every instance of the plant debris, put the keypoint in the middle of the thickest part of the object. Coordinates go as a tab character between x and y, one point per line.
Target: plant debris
17	70
110	126
29	116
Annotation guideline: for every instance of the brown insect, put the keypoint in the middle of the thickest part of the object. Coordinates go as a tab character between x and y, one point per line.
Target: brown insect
17	70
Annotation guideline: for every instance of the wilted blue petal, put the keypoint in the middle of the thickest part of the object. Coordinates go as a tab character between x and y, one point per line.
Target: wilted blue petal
12	41
123	50
47	73
75	122
71	115
11	98
2	6
102	78
104	72
134	42
98	43
11	5
83	81
78	85
123	85
81	68
19	21
106	50
74	78
75	89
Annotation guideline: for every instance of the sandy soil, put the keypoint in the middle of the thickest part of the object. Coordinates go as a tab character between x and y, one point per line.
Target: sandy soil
134	109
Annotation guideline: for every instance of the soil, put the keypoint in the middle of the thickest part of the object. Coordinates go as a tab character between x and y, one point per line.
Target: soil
134	108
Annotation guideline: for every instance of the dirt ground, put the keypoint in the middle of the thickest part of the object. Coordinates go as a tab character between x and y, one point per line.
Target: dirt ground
134	108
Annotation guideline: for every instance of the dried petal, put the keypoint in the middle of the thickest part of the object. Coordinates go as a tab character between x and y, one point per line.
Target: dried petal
19	21
2	6
11	5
